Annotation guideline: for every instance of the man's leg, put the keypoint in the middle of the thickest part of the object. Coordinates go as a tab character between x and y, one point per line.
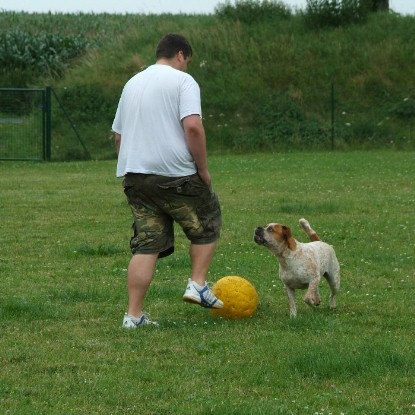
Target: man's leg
140	275
197	291
201	256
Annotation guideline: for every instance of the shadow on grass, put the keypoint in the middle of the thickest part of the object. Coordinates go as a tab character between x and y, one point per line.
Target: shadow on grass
330	359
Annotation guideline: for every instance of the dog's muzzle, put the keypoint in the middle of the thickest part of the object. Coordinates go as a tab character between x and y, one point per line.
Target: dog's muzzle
259	236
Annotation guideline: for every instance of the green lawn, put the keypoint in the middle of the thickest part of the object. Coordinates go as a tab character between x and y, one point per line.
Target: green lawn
63	258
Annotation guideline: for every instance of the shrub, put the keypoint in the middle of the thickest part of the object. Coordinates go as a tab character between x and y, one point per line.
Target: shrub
249	11
404	109
283	125
325	13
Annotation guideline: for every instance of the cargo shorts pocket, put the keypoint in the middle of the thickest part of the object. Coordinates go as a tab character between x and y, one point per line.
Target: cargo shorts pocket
178	185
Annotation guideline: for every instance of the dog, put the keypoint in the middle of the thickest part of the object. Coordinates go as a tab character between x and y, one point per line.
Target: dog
301	265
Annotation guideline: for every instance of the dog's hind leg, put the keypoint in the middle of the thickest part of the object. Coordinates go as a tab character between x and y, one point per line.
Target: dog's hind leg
312	234
333	280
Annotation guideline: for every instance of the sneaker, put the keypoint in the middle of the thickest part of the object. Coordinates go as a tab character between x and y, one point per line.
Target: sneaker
203	297
131	322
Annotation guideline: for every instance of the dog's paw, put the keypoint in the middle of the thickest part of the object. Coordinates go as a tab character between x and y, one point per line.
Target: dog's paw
312	301
309	301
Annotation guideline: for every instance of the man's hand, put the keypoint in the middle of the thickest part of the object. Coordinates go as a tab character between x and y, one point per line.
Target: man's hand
205	176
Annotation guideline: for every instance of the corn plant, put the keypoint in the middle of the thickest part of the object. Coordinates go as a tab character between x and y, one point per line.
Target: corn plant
40	54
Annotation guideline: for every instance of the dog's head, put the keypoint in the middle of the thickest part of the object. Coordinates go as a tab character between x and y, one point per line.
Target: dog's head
275	237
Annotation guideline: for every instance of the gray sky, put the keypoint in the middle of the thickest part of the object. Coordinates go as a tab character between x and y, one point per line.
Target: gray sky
150	6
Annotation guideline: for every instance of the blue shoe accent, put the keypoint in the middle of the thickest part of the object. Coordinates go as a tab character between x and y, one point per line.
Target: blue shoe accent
204	302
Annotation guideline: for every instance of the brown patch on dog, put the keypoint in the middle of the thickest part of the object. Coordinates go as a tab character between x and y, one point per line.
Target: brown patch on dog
292	244
282	233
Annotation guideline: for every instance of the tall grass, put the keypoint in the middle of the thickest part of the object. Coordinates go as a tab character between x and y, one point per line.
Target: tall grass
63	258
266	83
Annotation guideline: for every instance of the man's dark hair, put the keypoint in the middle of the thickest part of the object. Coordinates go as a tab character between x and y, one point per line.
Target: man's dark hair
172	44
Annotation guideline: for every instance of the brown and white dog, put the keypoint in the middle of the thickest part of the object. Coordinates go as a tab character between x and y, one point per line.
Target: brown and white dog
301	265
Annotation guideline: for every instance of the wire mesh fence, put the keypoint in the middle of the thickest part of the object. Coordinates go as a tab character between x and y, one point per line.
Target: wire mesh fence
22	124
344	120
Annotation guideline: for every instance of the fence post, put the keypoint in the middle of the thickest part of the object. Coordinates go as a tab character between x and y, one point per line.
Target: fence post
48	124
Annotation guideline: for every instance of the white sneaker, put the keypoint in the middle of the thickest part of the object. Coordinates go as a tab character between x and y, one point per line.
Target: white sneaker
131	322
203	297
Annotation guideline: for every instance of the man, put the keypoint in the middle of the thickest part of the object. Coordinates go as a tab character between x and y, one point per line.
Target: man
161	146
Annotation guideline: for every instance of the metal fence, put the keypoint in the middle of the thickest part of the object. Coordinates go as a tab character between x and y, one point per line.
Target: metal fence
25	123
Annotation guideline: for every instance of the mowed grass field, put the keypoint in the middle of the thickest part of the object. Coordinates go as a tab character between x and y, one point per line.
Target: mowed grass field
65	229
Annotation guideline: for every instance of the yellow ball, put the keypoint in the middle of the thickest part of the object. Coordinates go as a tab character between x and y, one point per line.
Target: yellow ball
239	296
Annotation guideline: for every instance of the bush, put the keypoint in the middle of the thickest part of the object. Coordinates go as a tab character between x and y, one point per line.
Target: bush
283	125
249	11
405	109
326	13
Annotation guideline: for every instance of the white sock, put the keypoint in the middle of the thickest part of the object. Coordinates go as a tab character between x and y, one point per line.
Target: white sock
136	319
197	286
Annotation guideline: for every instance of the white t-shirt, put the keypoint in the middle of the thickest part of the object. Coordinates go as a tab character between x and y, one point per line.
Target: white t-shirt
148	117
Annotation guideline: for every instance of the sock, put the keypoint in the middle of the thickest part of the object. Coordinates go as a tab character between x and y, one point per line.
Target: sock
135	319
197	286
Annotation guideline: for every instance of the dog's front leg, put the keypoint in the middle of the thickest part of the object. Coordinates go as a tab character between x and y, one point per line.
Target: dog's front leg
312	296
291	298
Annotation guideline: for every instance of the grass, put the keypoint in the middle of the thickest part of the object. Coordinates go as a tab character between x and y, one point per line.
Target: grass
63	258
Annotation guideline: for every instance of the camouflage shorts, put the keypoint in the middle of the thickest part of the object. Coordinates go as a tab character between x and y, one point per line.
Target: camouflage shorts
158	201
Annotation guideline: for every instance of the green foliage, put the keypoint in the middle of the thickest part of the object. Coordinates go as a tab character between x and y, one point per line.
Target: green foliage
63	263
282	125
377	5
245	70
88	102
250	11
39	54
326	13
405	109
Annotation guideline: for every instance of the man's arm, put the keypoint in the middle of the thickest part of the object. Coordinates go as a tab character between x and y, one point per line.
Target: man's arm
117	142
196	141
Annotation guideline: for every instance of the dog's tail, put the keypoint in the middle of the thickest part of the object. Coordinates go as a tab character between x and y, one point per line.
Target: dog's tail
312	234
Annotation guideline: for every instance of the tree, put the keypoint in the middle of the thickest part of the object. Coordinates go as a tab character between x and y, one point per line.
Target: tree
378	5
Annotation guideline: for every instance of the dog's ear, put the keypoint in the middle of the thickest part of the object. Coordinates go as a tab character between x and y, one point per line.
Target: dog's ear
286	231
